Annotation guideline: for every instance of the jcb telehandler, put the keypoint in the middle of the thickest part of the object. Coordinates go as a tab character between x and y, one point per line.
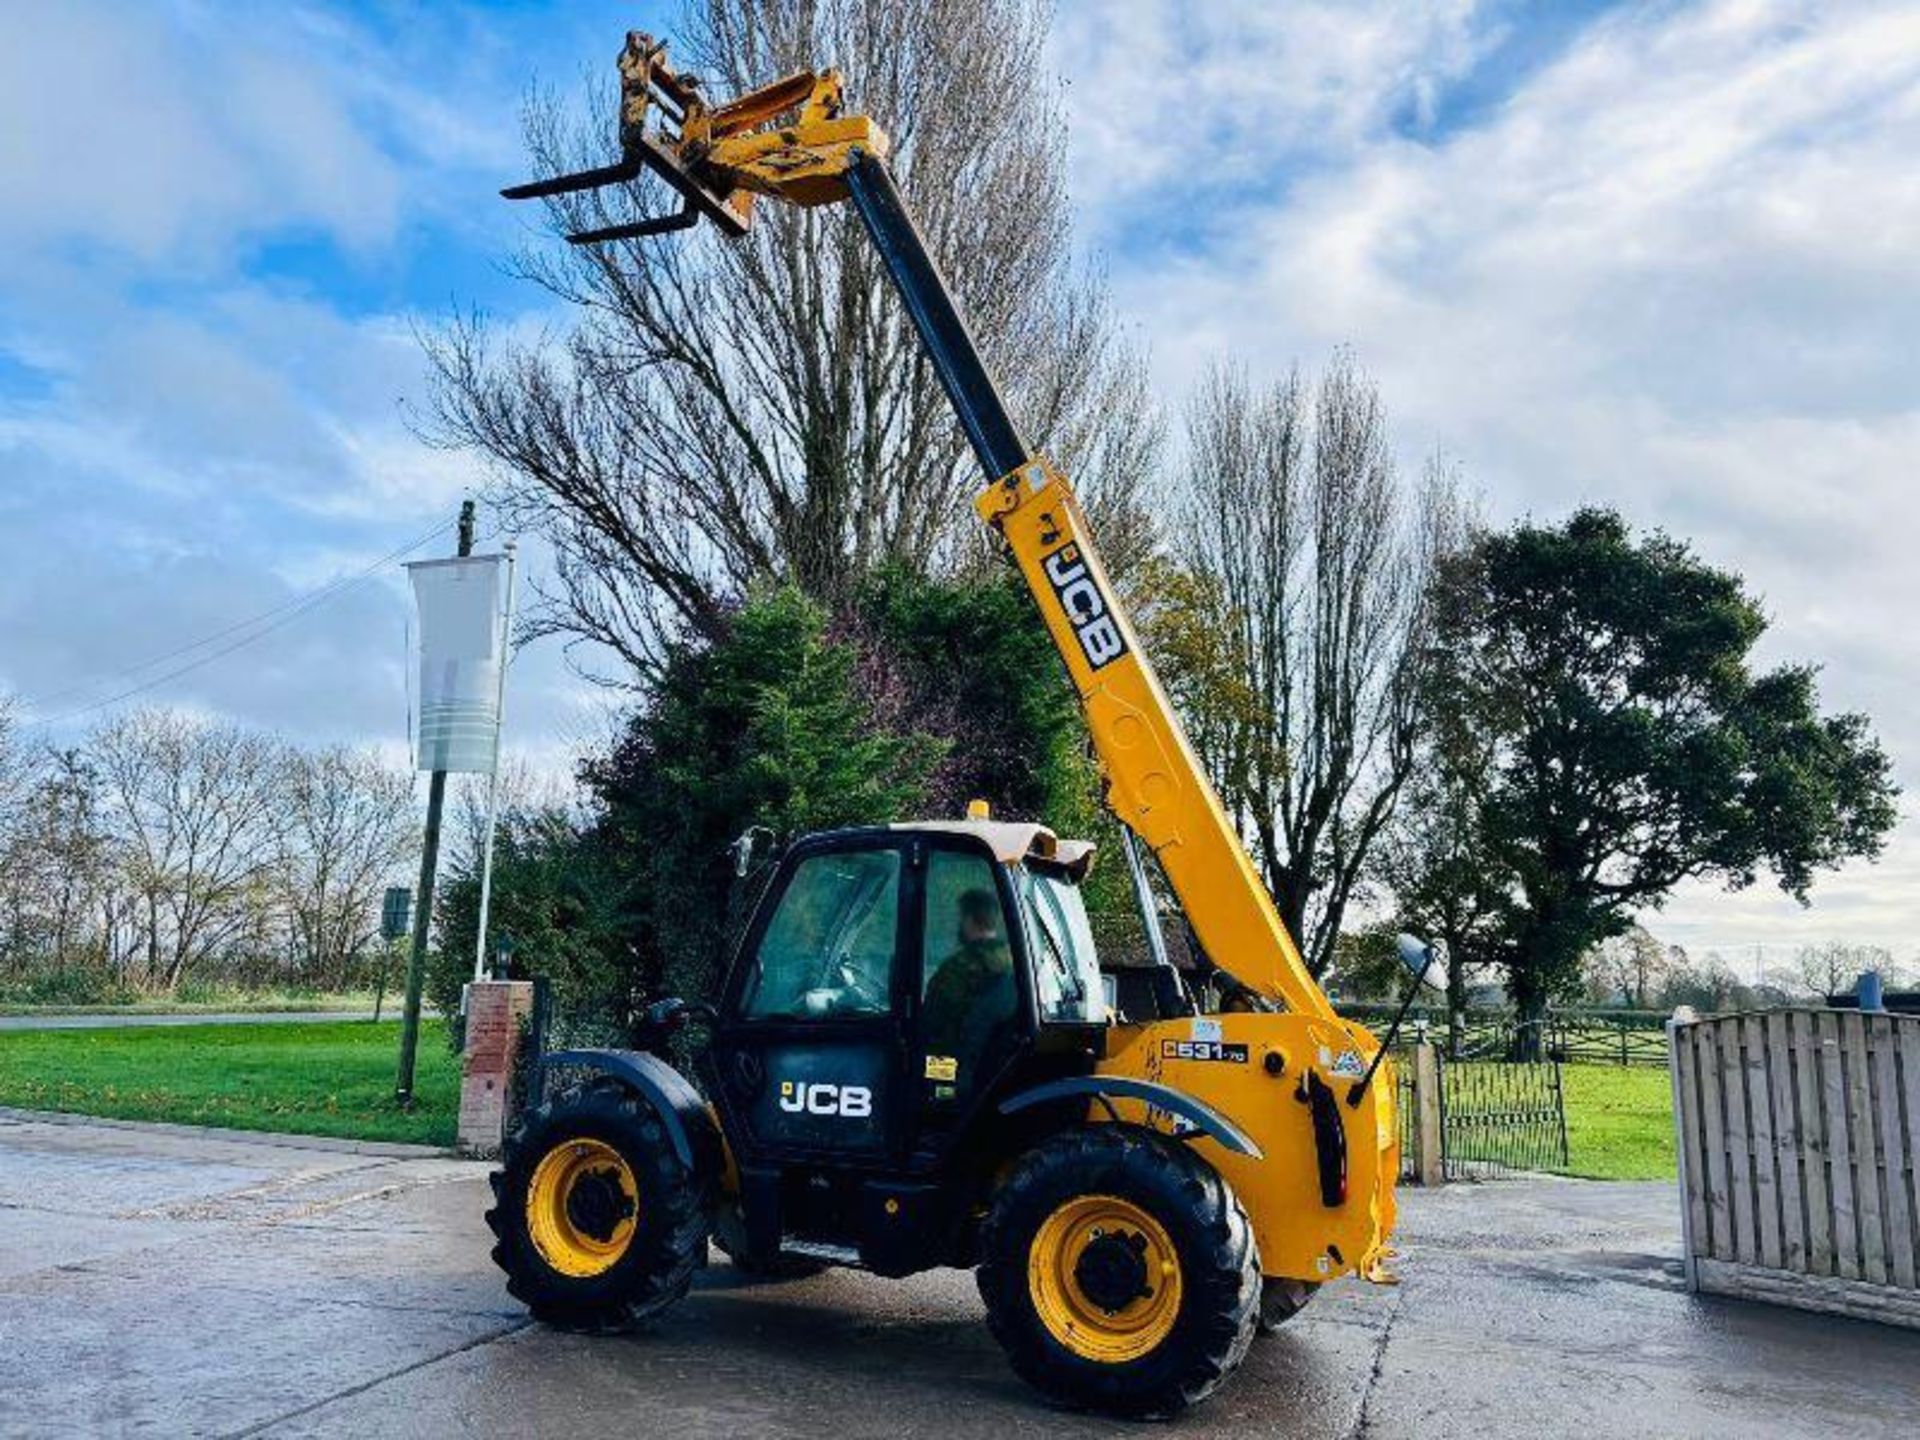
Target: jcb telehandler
916	1060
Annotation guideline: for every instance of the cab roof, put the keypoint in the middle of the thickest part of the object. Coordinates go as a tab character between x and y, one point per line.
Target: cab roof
1012	841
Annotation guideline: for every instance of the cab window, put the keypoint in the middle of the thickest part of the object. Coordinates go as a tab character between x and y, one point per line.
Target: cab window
828	951
1066	972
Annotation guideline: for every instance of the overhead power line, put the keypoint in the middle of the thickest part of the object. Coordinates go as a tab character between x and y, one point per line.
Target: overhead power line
247	631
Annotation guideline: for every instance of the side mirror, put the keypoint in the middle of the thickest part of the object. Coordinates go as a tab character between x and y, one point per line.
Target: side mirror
742	849
1421	962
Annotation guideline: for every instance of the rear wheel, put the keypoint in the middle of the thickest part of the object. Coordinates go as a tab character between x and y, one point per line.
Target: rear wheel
1119	1272
599	1223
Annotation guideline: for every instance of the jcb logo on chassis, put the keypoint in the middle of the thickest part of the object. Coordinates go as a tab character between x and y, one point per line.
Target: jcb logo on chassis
1087	609
855	1102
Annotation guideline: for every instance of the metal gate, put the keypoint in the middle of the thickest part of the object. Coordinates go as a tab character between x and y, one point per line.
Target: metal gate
1489	1117
1501	1116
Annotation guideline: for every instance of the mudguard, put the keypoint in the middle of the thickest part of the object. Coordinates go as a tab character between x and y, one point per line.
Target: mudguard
689	1124
1197	1113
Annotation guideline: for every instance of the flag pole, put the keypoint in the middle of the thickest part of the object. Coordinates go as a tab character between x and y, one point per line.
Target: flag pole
493	779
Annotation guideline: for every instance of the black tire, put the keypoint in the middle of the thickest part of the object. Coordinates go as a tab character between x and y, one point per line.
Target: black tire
1218	1262
1281	1300
669	1232
730	1238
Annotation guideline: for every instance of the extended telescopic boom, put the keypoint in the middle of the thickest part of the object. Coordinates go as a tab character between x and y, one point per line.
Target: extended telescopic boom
790	141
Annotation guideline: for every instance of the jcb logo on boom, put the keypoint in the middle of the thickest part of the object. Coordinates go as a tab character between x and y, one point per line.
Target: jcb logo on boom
855	1102
1087	609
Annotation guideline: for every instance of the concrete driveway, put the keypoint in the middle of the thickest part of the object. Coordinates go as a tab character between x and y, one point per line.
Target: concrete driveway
176	1284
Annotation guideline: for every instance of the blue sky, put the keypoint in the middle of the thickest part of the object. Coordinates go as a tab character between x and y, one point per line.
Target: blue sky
1660	256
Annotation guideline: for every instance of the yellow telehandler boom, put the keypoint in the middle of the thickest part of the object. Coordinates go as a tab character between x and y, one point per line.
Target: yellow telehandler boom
791	141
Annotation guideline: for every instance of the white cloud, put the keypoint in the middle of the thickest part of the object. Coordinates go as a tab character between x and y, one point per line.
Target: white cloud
149	134
1669	270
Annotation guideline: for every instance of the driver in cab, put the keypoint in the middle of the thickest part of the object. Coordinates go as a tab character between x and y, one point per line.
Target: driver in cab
972	992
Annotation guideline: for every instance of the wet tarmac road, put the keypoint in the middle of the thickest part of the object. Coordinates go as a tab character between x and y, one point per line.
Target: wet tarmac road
189	1284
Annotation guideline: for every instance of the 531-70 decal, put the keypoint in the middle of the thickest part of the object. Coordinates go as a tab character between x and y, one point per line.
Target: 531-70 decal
1203	1050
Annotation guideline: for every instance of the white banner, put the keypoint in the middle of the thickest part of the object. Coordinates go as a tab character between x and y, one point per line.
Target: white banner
461	645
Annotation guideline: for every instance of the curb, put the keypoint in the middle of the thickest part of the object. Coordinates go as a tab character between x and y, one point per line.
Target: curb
390	1149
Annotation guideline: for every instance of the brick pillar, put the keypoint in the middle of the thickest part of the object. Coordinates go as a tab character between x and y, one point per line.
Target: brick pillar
495	1009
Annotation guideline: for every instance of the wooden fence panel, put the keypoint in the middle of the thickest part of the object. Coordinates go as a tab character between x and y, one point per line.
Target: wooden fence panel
1813	1142
1777	1062
1894	1161
1864	1144
1833	1114
1766	1182
1739	1142
1714	1142
1799	1146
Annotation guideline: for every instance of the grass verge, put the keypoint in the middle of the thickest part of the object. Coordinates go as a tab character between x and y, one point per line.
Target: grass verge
322	1078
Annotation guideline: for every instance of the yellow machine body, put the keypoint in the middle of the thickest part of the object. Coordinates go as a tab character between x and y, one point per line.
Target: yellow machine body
1300	1236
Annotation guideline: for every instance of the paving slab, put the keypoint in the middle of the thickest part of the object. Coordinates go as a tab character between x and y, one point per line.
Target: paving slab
199	1284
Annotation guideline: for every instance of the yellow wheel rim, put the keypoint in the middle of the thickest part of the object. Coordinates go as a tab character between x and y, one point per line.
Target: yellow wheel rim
1105	1279
582	1204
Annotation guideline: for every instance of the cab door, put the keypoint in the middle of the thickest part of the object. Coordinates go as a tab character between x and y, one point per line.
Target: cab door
810	1051
973	1006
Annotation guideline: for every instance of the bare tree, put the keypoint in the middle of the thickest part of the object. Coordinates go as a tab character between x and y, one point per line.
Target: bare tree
726	411
56	869
344	830
1310	561
1629	967
188	806
1834	968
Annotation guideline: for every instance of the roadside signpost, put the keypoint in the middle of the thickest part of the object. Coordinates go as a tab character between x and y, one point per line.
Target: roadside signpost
465	609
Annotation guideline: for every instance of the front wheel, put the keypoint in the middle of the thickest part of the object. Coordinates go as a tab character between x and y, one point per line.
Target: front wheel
599	1222
1119	1272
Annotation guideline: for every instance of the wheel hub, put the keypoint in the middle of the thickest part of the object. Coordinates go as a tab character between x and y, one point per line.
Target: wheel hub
1111	1271
582	1203
596	1204
1104	1278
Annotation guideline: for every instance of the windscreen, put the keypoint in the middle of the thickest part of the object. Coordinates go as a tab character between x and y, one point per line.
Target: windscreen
1066	973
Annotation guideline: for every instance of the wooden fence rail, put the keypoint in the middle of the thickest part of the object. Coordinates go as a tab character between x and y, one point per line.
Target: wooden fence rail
1799	1141
1599	1037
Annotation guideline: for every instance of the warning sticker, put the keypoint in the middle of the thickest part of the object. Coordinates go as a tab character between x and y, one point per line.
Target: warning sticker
942	1067
1350	1064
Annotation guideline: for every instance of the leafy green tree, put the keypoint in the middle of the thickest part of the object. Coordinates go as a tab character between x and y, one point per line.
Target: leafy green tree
971	665
767	726
1629	743
560	899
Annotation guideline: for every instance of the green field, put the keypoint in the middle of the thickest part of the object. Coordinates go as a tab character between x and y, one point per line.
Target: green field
311	1079
1619	1122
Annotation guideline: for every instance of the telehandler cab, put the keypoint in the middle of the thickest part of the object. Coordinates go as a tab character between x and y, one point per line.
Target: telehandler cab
916	1059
